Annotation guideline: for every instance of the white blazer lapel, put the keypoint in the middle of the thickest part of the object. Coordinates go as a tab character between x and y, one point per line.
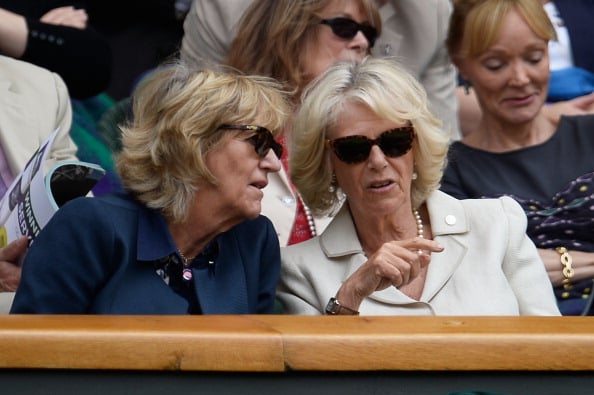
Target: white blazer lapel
448	221
340	238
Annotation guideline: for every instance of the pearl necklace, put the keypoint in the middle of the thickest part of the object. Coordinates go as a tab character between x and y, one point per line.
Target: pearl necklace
310	220
420	229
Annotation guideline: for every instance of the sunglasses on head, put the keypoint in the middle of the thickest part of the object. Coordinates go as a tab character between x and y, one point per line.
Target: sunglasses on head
262	140
347	28
356	149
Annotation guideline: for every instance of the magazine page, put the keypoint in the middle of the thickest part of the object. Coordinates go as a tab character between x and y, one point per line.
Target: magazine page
16	191
33	198
67	180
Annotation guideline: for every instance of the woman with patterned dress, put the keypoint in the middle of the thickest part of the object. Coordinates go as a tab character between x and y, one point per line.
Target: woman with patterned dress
501	48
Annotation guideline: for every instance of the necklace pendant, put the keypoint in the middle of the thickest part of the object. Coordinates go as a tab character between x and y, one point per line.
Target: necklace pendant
187	274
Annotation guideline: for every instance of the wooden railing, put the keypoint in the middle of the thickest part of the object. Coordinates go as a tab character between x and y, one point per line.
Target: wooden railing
289	344
278	343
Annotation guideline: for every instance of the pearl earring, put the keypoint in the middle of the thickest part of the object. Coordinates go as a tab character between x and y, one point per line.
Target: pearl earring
414	175
332	186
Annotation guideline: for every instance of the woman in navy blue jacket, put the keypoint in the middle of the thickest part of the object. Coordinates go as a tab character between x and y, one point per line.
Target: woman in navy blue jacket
187	237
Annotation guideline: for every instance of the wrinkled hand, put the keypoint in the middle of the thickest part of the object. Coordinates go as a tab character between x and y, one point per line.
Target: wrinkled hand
578	106
395	263
66	16
10	273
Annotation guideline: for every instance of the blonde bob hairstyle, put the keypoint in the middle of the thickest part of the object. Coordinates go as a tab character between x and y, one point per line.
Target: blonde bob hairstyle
475	24
392	94
178	112
273	35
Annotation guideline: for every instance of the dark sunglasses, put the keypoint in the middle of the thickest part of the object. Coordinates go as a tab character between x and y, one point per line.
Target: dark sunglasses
347	28
356	149
262	140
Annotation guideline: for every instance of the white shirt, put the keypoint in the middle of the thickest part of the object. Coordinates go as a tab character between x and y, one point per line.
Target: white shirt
559	50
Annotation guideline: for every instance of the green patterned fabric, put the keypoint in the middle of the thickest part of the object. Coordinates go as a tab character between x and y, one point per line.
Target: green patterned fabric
92	145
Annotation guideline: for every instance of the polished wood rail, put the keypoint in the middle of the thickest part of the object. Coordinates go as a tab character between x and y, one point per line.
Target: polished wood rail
276	343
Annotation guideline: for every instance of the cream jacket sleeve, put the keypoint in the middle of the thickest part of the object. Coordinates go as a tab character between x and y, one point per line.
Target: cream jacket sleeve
33	103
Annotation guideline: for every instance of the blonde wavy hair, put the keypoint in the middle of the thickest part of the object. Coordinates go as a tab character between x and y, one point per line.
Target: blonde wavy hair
392	94
178	111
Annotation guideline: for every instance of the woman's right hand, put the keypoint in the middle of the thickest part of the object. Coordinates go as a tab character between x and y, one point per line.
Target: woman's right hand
67	16
395	263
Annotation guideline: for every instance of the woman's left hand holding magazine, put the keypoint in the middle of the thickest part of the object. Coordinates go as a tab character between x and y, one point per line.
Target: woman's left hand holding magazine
10	257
